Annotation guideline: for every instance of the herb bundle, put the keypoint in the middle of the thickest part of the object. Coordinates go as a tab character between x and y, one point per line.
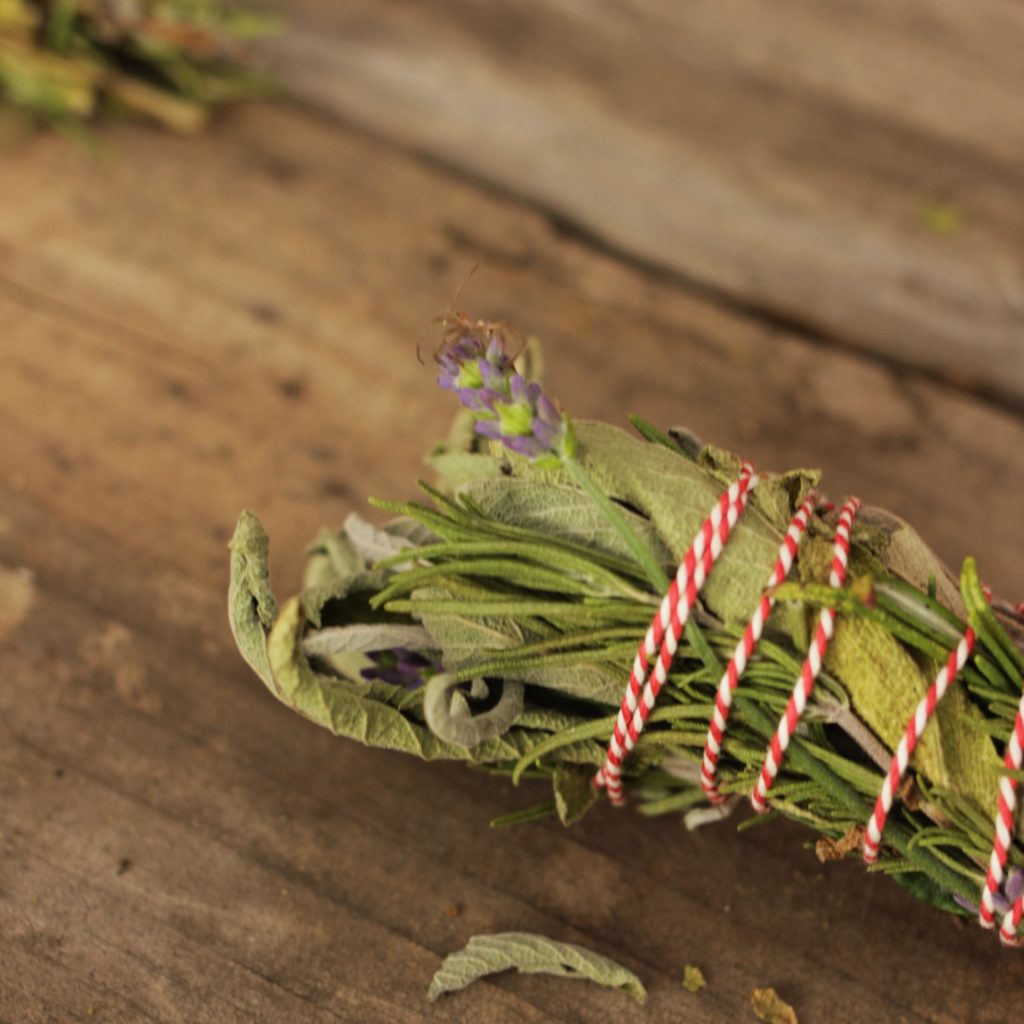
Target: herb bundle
495	622
169	60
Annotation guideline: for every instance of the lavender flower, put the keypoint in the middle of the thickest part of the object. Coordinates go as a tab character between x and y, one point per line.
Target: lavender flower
508	408
1013	889
400	667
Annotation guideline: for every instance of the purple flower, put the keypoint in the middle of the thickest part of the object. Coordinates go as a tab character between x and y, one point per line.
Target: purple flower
400	667
1013	889
508	408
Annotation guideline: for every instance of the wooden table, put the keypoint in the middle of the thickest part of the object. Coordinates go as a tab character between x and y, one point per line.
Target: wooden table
799	232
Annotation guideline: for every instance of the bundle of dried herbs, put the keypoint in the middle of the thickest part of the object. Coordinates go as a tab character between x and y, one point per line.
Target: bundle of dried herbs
169	60
495	622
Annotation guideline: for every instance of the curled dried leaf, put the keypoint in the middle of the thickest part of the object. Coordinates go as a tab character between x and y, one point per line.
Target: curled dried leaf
450	717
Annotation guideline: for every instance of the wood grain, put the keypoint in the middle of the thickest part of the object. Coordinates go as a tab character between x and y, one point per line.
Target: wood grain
195	326
799	159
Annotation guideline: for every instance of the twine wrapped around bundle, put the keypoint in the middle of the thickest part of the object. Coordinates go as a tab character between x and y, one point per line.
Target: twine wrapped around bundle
820	660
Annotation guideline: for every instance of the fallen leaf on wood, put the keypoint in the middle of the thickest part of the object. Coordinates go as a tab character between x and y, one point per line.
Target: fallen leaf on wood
529	954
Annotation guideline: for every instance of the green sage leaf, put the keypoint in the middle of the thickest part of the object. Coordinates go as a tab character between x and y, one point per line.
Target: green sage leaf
450	718
574	792
560	510
885	685
339	704
529	954
363	638
673	495
251	604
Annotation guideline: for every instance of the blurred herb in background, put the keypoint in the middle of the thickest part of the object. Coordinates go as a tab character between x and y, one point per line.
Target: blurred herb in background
64	61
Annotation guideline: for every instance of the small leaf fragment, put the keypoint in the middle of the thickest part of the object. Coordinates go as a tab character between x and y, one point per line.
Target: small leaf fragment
693	978
770	1008
574	791
827	849
529	954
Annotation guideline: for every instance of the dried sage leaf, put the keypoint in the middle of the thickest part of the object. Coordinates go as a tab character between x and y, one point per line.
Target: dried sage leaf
539	501
885	685
251	604
372	543
450	717
673	495
529	954
339	704
363	638
575	793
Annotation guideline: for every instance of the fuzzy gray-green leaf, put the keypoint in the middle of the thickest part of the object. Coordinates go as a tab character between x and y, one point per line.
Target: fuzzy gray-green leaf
251	604
337	704
529	954
574	792
673	493
560	510
450	718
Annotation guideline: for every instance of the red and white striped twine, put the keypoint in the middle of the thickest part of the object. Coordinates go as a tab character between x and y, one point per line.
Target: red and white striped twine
1005	815
804	686
745	648
905	750
666	630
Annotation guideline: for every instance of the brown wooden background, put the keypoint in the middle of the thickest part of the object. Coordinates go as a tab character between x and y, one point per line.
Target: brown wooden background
796	228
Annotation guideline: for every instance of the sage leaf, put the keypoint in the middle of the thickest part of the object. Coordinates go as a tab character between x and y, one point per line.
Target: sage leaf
529	954
463	456
338	704
334	570
556	509
251	604
674	496
463	639
593	681
366	713
450	718
575	793
363	638
371	543
885	685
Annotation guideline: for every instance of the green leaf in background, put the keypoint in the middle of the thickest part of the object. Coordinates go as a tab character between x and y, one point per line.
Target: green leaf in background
529	954
362	638
63	60
251	604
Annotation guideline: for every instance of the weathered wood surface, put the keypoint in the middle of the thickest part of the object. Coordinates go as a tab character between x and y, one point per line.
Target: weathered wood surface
854	169
191	327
